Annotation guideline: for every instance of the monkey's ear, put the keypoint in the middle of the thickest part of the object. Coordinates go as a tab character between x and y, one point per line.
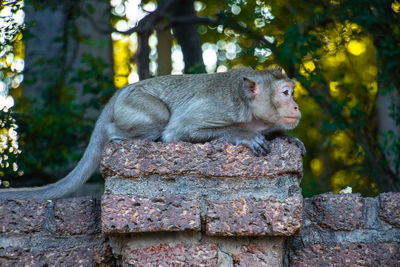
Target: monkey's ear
250	87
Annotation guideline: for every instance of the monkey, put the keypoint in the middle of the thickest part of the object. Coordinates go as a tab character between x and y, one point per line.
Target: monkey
240	106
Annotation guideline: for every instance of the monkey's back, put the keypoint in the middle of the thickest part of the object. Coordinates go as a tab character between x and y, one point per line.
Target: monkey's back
177	91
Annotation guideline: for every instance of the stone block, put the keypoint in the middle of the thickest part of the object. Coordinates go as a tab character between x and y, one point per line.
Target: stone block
132	214
338	212
252	217
359	254
139	158
99	255
22	216
77	216
389	208
256	255
178	255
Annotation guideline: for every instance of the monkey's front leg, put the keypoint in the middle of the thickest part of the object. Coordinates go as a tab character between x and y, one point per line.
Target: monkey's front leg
270	135
234	135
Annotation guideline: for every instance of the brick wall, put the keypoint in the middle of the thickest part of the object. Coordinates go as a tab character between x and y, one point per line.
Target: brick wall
52	233
208	204
347	230
212	204
338	230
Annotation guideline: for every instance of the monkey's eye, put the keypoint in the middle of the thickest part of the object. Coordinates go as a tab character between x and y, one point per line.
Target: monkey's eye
286	91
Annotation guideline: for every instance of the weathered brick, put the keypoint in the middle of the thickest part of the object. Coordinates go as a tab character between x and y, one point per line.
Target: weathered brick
22	216
371	255
389	209
339	212
164	255
77	216
98	255
131	214
214	158
251	217
256	255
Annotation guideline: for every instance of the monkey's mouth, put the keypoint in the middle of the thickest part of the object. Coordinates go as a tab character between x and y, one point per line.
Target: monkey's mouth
288	119
292	118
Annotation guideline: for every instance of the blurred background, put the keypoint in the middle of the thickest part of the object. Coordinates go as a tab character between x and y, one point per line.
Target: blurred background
60	61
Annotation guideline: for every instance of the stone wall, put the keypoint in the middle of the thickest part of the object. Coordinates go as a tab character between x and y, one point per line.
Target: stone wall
347	230
213	204
210	204
53	233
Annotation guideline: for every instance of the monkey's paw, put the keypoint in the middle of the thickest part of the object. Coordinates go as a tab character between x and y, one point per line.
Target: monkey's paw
258	145
297	142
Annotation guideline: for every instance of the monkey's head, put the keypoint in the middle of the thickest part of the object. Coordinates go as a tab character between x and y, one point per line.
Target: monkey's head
271	98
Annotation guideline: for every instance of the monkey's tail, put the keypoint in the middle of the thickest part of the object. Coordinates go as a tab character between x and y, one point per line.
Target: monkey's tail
79	175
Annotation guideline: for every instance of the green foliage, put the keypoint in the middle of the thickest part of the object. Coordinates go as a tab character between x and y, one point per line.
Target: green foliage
11	23
10	65
9	150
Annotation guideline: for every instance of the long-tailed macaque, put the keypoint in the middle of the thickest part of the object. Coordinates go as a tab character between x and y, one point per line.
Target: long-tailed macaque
238	106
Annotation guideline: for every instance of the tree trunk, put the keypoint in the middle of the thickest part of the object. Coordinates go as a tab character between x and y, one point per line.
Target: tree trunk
188	37
142	55
388	102
164	47
387	122
48	26
387	129
53	55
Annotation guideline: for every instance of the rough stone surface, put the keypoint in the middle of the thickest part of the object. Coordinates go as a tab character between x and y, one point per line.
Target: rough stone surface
99	255
22	216
179	255
339	212
41	233
390	208
52	233
346	230
206	188
251	217
256	255
77	216
138	158
131	214
371	255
